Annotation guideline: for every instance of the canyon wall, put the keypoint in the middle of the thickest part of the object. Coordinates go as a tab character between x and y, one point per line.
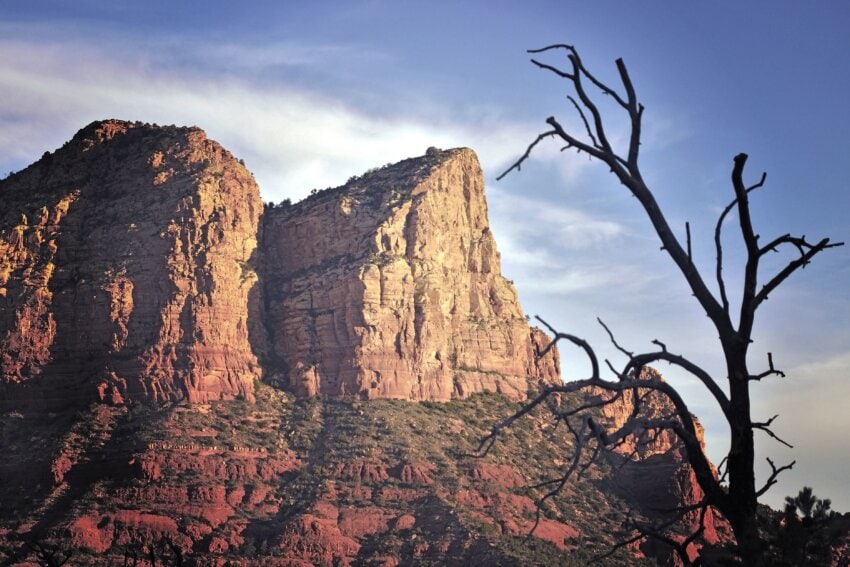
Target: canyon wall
138	263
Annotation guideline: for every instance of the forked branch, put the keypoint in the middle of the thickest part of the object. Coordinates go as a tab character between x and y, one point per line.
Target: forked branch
737	502
591	438
774	473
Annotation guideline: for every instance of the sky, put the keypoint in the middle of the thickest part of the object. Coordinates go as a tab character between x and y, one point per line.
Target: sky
311	93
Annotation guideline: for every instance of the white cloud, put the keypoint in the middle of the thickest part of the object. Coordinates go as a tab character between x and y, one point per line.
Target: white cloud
525	218
296	139
293	139
588	279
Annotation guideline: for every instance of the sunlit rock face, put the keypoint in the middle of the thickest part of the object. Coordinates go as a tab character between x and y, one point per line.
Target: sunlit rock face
126	269
390	286
137	261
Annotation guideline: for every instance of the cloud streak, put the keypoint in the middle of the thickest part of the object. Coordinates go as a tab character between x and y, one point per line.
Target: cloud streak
292	138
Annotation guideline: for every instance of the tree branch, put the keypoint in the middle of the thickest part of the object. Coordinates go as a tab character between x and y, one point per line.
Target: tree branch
613	340
635	115
770	371
775	472
801	262
717	392
765	426
629	380
584	120
745	325
638	361
518	163
719	247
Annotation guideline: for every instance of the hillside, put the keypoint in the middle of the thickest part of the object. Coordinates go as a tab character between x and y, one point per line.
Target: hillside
315	481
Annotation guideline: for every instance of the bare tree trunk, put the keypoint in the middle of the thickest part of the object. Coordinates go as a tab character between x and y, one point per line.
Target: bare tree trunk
741	465
739	502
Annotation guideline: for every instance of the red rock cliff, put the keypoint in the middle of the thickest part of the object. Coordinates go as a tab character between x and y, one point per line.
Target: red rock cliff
125	267
390	286
657	475
129	264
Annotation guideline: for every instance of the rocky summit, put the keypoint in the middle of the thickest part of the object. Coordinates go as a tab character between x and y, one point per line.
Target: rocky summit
189	376
125	270
139	262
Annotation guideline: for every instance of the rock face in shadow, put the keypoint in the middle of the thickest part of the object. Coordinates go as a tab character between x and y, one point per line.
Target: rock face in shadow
390	287
656	476
125	269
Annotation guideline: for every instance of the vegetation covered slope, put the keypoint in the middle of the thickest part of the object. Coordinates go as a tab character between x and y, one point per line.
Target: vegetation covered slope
292	482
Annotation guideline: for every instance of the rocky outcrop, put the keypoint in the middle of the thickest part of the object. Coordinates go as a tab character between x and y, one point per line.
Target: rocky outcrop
126	268
282	481
656	474
138	262
390	286
129	265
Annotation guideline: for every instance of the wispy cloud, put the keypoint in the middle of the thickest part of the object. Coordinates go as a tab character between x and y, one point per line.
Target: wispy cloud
270	55
293	138
529	219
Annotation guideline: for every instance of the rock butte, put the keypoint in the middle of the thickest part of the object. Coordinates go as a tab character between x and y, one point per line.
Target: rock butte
139	261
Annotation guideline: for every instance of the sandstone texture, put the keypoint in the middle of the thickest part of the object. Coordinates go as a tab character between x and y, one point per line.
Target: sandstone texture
136	261
282	481
125	268
138	264
390	287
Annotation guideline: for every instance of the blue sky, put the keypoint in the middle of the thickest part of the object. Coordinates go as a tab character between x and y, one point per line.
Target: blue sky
310	93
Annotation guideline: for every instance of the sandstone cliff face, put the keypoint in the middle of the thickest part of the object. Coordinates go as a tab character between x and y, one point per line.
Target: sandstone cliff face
390	286
137	262
125	267
129	264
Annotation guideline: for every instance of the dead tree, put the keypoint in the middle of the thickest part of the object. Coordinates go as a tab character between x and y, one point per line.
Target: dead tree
738	501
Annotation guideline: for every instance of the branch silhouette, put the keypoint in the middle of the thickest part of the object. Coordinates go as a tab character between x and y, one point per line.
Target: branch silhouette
738	501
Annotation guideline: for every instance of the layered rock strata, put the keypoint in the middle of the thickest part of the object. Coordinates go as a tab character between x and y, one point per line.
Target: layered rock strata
130	265
137	262
390	286
125	268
